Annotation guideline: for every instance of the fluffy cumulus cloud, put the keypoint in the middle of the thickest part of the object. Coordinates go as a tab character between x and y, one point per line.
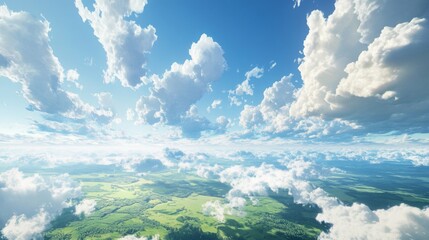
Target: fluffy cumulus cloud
126	43
363	70
86	207
23	228
366	63
250	182
214	209
29	203
174	94
72	76
245	88
273	108
357	221
27	58
272	115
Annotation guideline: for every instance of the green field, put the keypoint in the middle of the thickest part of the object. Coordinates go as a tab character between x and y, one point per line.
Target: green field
379	185
170	204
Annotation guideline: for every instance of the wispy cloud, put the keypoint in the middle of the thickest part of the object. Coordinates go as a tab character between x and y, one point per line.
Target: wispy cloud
244	88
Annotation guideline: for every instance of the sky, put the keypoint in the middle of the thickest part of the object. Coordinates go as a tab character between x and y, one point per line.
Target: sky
196	84
299	71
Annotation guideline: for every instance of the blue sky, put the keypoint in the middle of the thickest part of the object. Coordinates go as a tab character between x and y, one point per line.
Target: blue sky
201	84
313	93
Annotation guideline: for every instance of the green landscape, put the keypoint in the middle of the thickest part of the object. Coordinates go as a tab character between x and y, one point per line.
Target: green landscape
130	205
168	204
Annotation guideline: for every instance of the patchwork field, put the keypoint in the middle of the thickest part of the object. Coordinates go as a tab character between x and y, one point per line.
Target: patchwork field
169	204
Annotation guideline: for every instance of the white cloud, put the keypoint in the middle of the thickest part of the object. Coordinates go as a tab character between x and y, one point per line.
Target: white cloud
245	88
222	123
363	71
134	237
218	147
370	76
365	64
34	65
23	228
348	222
214	209
88	153
272	115
297	3
248	182
32	201
126	44
234	100
205	171
255	72
72	76
251	116
215	104
199	163
85	207
130	114
192	124
105	99
174	94
273	65
145	165
359	222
